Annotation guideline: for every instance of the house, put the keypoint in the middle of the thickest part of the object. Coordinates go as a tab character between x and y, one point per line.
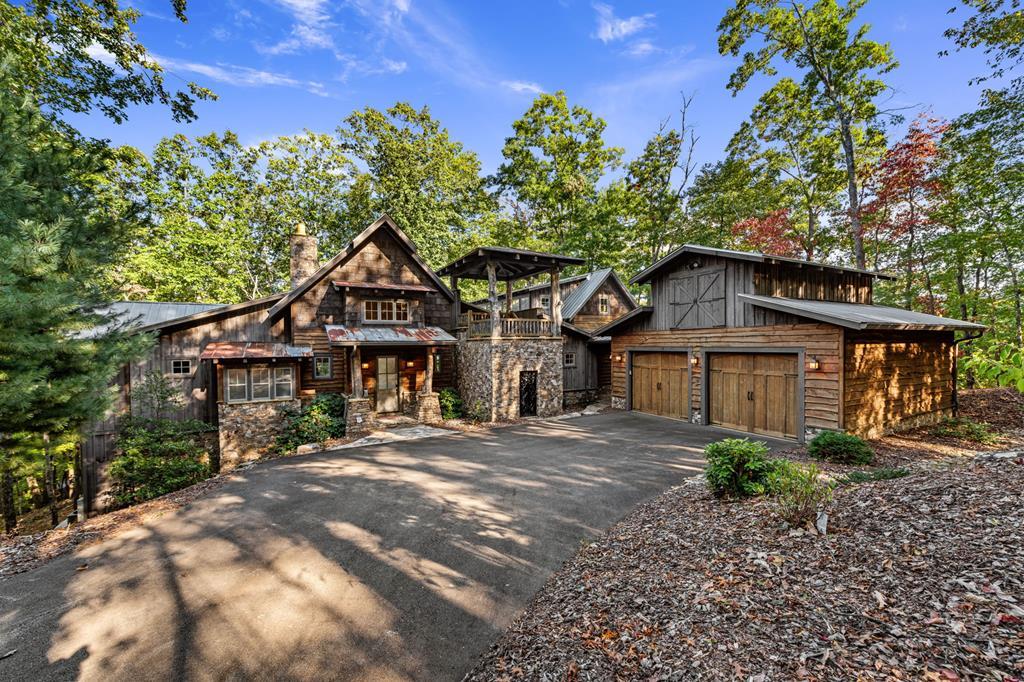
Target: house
589	301
780	347
374	323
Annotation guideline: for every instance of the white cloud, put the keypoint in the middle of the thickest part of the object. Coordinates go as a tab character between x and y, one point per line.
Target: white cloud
642	48
392	66
667	76
523	86
241	76
611	28
310	30
100	53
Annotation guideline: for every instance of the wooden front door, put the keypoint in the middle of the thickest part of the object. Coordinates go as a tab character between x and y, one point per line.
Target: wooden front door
660	384
755	392
387	383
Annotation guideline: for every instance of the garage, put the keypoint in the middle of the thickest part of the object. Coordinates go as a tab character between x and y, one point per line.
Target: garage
660	383
755	392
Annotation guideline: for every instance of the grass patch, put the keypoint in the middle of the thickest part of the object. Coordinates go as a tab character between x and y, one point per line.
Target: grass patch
965	429
880	474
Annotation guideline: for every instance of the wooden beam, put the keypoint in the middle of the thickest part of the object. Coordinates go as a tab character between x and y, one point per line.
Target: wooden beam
428	374
457	305
556	303
492	299
357	373
508	296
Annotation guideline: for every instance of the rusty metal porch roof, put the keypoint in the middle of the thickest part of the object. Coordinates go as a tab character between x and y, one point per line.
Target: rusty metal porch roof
384	335
252	350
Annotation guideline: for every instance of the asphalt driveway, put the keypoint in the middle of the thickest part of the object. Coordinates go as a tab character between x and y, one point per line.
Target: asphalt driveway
394	561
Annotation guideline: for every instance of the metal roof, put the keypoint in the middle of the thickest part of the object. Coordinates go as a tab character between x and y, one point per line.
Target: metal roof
251	350
383	285
510	263
139	315
753	256
578	297
632	314
860	315
388	336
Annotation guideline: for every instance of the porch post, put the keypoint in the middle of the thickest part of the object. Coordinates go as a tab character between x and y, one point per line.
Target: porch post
428	375
556	303
508	296
492	299
457	305
357	373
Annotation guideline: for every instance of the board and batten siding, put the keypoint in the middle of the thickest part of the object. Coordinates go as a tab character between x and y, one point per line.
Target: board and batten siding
897	379
821	387
584	375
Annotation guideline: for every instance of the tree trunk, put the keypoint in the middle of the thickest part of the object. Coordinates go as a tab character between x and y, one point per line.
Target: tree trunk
812	228
851	190
50	481
7	501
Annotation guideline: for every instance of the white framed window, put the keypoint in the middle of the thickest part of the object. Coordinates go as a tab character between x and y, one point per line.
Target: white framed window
545	302
181	368
283	382
604	304
570	359
237	385
258	383
322	368
387	310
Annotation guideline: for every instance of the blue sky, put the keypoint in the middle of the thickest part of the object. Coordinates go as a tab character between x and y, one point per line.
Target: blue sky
281	66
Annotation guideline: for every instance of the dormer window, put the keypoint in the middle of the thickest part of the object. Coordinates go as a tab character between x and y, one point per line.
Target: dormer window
386	310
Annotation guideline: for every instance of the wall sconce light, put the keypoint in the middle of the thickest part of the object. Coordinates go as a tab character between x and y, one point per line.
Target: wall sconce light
813	364
694	360
366	365
618	357
410	364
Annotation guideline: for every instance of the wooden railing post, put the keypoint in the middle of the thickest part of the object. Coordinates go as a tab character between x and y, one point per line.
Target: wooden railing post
457	305
492	299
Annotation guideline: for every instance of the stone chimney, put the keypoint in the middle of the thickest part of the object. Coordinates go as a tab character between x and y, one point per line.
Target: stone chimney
305	260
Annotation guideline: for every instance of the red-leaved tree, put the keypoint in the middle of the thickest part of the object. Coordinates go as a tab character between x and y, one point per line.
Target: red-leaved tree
772	233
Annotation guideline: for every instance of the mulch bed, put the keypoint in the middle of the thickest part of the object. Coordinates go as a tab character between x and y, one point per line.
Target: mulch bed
918	578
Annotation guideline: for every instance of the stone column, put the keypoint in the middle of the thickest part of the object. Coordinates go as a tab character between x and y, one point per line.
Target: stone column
492	299
556	304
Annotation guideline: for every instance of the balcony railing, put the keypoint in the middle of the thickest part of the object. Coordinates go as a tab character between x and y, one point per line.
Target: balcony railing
478	325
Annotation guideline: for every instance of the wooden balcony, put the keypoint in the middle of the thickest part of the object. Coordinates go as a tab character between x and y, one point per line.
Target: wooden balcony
479	326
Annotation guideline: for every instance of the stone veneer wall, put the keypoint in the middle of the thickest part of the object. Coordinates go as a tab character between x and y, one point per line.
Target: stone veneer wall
489	375
248	430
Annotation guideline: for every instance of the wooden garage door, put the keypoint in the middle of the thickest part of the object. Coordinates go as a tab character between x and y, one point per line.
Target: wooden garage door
755	392
660	384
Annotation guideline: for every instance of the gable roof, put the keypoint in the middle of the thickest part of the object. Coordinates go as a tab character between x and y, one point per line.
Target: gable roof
633	314
579	296
753	256
860	315
510	264
209	314
385	221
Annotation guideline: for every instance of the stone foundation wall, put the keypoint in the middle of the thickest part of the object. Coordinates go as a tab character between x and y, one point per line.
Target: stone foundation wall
248	430
577	400
359	417
509	358
475	380
428	409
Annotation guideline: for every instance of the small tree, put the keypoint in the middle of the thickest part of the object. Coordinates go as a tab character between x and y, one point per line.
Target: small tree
157	395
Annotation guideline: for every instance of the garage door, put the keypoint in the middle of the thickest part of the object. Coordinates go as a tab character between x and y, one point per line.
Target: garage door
660	384
755	392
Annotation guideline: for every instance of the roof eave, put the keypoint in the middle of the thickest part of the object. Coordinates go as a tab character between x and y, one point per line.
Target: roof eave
190	320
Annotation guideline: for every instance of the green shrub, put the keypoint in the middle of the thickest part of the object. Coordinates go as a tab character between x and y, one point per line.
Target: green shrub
965	429
478	412
451	404
841	448
738	467
156	457
800	492
320	420
881	474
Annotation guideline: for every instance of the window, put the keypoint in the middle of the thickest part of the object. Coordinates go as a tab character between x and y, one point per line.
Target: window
570	359
545	301
181	368
604	305
385	311
259	382
236	386
437	363
322	367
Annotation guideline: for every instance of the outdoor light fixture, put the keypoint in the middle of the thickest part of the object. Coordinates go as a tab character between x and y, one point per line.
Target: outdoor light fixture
813	364
366	365
410	363
694	360
618	357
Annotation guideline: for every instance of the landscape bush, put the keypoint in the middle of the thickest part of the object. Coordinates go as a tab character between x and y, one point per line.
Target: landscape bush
451	403
322	419
738	467
800	492
965	429
840	448
158	456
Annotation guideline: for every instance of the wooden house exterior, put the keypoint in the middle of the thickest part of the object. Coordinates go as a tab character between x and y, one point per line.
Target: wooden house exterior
779	347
